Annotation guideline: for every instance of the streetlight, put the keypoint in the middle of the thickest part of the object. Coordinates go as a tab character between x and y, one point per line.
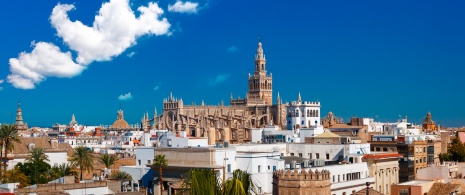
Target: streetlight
368	187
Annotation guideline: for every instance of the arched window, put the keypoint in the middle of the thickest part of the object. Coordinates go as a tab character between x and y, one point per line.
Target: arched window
263	66
317	114
308	113
296	113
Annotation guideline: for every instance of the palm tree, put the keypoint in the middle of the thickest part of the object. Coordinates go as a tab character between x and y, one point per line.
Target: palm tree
108	160
240	183
160	162
205	181
83	159
37	155
121	175
8	136
66	169
202	182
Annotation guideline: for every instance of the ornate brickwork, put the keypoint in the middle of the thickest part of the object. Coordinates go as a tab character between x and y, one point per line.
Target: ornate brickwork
303	182
222	123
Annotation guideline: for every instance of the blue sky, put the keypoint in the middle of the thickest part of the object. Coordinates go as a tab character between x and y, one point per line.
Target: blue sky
363	59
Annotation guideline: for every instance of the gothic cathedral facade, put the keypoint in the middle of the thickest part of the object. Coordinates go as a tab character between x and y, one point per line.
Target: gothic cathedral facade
231	123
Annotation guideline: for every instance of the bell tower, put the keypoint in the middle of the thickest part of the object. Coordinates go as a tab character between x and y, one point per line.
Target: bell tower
260	84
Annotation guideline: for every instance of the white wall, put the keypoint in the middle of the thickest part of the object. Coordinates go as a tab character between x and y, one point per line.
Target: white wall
144	155
251	162
100	190
57	158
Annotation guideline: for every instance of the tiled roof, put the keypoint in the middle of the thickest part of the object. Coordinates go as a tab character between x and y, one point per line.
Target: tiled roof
371	191
443	188
328	134
39	142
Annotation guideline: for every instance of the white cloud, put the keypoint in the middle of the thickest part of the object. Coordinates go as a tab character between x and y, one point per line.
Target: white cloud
232	49
218	79
186	7
156	88
115	29
1	81
1	88
45	60
131	54
125	97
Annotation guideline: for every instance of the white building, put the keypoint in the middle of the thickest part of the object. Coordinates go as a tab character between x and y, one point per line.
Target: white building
345	178
302	114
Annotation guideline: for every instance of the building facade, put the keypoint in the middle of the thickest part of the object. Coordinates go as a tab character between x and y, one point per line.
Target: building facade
301	182
222	123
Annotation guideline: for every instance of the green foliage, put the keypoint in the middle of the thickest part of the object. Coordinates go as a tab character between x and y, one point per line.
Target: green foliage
206	181
444	157
16	176
456	150
37	155
120	175
8	136
108	160
83	159
36	172
202	182
160	161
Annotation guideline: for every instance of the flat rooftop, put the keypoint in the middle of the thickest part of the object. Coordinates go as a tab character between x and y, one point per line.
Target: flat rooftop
414	182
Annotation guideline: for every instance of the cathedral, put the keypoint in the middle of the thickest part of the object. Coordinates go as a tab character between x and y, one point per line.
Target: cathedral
220	123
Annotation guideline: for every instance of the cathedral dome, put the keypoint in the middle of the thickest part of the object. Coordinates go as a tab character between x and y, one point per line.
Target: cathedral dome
120	124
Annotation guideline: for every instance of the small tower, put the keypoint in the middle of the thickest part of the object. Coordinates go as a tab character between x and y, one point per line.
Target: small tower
73	121
260	84
20	125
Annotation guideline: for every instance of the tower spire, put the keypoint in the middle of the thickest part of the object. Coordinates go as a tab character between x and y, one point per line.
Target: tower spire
278	99
299	99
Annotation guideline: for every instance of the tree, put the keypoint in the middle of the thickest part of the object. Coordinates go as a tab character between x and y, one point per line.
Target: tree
8	136
240	183
83	159
457	150
37	155
160	162
16	176
201	182
120	175
444	157
35	171
205	181
108	160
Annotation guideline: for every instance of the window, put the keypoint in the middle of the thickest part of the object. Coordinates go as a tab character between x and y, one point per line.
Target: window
310	155
229	168
268	167
327	156
300	154
339	179
274	168
139	162
403	192
292	154
343	193
259	167
148	162
334	178
317	155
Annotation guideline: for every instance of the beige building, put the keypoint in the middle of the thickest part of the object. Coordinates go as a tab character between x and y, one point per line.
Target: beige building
384	167
420	155
414	187
301	182
220	123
